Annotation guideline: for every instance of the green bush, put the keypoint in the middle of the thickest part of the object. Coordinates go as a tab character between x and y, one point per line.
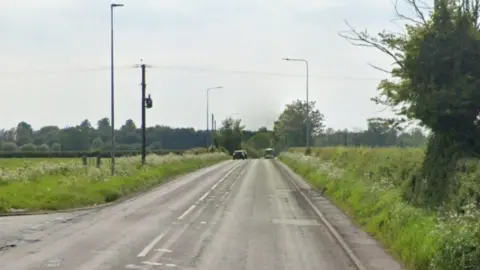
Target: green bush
371	184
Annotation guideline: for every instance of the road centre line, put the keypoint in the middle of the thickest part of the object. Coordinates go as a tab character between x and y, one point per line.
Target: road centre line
155	241
150	246
192	207
218	183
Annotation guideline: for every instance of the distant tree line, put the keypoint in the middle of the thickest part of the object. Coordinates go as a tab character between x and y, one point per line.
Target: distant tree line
231	135
86	137
290	131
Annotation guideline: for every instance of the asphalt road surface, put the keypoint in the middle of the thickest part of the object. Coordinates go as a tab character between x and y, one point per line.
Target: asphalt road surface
234	215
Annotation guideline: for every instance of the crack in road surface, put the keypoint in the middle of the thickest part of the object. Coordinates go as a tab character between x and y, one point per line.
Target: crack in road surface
245	214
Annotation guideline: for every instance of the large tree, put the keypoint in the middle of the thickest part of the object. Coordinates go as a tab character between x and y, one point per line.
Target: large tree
290	128
435	81
229	135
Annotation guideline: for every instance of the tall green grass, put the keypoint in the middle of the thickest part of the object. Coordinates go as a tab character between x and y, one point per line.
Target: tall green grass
370	184
67	184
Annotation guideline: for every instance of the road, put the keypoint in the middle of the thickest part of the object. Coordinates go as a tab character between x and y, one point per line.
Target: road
234	215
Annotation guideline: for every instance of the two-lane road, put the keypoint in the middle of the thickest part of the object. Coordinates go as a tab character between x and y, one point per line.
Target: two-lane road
234	215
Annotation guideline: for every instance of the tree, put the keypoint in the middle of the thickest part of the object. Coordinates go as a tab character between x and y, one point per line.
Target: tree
24	134
129	134
230	134
43	148
29	147
84	137
262	139
156	145
435	81
56	147
290	128
47	135
9	147
97	144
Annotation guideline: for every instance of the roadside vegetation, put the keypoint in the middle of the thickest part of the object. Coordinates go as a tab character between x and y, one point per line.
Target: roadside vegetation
422	203
374	187
65	183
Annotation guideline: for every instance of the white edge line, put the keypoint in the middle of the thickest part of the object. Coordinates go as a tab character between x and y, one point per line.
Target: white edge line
150	246
190	209
330	228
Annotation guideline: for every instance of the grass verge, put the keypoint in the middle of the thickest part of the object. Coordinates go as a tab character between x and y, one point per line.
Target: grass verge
368	184
65	185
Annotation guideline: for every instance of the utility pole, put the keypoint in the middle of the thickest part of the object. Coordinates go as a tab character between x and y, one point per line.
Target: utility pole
213	129
208	115
144	137
112	90
146	103
307	116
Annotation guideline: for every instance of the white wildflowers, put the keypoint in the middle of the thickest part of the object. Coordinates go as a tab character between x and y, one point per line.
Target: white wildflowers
70	168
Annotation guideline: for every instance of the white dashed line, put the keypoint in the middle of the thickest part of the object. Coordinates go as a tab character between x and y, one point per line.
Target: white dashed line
133	266
190	209
163	250
150	246
152	263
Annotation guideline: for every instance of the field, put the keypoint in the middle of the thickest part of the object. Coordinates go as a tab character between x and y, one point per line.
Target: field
62	183
16	163
373	186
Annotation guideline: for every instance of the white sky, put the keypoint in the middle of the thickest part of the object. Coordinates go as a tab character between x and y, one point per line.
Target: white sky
62	36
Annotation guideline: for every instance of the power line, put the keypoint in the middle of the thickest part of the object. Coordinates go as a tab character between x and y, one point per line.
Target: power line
258	73
38	72
180	68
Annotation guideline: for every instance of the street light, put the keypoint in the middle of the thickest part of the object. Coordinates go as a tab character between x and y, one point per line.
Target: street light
307	124
208	91
112	6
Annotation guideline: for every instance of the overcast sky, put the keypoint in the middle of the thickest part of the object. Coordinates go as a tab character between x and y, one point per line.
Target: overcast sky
191	45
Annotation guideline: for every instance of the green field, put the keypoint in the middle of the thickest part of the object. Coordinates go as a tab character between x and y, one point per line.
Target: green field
374	186
14	163
53	184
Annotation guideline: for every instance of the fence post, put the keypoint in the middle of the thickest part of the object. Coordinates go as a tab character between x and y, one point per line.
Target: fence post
84	161
99	162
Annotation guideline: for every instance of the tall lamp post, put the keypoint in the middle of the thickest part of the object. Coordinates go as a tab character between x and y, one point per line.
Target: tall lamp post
208	95
112	6
307	124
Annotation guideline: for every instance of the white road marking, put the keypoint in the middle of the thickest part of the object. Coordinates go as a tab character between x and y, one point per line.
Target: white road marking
203	222
152	263
54	263
190	209
204	196
150	246
233	185
133	266
170	265
218	183
356	261
163	250
169	243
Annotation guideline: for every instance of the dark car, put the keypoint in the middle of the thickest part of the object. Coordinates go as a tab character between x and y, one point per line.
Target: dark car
239	154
